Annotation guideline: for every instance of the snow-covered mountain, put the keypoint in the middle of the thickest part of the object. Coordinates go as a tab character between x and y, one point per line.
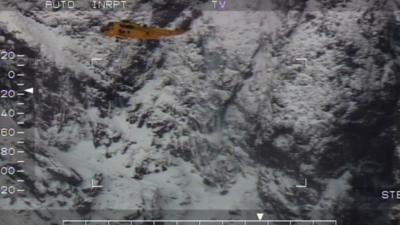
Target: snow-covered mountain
222	121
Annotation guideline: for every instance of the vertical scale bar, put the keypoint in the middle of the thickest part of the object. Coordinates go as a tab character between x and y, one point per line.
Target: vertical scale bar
20	83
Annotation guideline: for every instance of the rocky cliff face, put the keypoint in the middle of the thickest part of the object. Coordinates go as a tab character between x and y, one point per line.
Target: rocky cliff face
221	118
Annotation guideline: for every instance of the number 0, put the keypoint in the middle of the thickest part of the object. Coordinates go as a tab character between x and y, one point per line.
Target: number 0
11	74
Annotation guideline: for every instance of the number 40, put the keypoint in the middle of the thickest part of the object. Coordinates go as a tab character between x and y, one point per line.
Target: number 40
7	113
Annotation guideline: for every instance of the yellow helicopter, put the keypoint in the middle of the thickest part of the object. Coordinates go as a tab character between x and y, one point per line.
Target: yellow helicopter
127	29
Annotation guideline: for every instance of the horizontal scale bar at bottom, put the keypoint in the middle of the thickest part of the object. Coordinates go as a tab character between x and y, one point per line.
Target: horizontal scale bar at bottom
87	222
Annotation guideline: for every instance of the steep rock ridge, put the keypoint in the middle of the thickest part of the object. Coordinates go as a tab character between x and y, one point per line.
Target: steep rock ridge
331	120
223	117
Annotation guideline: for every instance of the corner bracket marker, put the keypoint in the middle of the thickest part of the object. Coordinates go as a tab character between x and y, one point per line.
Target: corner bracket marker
304	185
304	60
92	60
95	186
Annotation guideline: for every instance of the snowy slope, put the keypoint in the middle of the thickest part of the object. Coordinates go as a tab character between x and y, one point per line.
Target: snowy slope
220	119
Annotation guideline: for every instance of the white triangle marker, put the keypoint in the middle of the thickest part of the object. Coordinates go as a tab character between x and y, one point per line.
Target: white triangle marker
260	216
29	90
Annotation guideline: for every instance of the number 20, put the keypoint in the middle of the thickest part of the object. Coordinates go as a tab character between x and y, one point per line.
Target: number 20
5	55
